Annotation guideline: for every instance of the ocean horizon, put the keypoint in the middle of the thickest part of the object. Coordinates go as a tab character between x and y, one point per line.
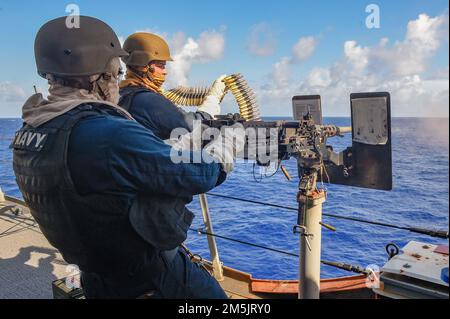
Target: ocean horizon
419	198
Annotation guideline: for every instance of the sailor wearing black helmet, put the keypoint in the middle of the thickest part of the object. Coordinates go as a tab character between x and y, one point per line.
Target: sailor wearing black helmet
103	188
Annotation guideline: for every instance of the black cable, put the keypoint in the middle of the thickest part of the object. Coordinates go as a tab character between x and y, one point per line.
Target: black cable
434	233
243	242
343	266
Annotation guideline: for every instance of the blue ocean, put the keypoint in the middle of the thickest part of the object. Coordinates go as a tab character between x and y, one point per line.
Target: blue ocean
420	198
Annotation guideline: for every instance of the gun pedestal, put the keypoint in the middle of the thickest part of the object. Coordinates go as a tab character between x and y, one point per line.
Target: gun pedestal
310	201
367	163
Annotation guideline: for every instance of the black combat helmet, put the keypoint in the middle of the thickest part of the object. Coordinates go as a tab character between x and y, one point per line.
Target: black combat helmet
68	51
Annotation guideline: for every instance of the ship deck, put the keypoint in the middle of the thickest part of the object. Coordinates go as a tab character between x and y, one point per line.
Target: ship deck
29	265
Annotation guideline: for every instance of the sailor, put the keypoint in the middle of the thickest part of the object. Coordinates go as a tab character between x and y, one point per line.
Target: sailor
102	187
142	94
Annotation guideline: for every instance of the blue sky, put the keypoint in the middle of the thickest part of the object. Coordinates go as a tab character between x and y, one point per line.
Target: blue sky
224	29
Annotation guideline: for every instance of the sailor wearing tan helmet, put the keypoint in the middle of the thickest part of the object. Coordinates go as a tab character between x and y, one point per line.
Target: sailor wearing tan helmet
141	91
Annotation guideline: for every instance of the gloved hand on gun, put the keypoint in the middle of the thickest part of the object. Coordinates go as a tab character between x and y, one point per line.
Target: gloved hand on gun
224	148
227	146
211	104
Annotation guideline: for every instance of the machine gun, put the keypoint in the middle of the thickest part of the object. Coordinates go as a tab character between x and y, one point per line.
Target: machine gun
367	163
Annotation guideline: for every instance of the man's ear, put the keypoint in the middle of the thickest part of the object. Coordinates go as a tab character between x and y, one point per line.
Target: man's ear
151	68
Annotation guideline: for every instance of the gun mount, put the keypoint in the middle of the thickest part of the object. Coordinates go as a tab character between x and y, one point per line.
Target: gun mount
367	163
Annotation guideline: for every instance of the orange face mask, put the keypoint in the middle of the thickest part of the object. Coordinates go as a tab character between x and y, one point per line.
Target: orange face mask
147	79
158	79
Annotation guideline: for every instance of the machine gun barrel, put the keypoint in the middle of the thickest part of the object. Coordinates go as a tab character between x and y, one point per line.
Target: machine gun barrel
333	130
300	138
345	129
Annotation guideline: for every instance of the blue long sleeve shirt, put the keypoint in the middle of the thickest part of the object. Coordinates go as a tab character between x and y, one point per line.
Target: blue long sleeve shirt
157	113
110	154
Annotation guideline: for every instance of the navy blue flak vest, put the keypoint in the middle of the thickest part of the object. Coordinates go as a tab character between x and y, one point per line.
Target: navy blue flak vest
92	231
126	99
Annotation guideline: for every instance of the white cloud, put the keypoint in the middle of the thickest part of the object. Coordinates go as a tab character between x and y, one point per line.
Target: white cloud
281	71
442	73
304	48
400	68
186	51
183	60
10	92
209	46
301	51
423	38
319	77
261	40
356	55
12	97
177	41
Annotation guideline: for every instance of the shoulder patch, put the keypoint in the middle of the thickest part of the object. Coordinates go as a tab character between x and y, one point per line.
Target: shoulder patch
31	140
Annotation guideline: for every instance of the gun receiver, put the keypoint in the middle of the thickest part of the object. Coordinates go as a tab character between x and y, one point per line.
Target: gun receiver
367	163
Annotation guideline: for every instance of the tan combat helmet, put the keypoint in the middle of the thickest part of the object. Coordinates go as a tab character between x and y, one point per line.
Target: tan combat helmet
145	47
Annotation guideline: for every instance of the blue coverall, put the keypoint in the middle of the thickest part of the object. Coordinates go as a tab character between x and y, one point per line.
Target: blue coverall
112	155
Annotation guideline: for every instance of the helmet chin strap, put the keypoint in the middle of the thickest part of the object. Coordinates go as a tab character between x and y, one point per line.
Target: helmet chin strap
106	86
